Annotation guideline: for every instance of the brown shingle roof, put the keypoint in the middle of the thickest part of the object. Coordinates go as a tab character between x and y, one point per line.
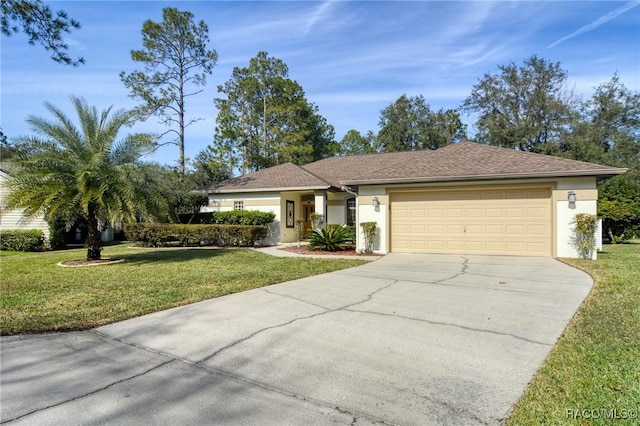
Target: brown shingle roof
339	170
456	162
282	177
473	161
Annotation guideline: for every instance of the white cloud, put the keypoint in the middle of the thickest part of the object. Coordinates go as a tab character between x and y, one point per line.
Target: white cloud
598	22
320	14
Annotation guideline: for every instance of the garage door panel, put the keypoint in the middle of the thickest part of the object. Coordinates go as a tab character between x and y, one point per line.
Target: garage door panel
536	212
510	221
455	229
436	229
474	212
518	213
472	230
536	230
494	230
454	246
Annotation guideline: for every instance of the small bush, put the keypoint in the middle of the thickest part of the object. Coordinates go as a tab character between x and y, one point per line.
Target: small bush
317	220
331	239
369	230
584	234
164	234
22	240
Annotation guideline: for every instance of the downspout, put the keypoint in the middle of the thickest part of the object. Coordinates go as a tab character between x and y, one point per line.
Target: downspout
347	190
355	194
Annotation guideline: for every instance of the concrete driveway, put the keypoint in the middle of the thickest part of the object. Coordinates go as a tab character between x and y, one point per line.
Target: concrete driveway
407	339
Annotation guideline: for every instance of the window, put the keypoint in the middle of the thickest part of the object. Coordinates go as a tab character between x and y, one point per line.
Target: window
291	215
351	212
238	205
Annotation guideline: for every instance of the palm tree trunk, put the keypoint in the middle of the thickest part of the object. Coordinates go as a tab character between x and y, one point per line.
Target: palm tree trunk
94	242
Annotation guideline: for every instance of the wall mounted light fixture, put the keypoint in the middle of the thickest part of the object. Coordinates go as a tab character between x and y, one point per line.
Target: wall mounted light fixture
571	196
376	202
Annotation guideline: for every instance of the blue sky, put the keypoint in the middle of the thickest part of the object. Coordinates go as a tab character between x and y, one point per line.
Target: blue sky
353	58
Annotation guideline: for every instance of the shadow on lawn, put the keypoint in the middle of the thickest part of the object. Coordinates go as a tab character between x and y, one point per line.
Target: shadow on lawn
171	255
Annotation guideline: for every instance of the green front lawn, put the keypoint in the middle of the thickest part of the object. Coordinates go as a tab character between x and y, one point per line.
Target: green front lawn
38	296
592	376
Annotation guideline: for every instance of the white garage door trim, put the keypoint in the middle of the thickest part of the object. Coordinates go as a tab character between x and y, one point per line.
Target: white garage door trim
508	221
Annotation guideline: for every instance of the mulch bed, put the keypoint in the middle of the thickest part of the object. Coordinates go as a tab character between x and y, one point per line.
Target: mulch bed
350	251
83	262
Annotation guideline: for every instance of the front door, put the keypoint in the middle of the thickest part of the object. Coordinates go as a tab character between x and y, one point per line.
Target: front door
307	211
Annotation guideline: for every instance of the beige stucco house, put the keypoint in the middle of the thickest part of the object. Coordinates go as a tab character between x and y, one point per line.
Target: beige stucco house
464	198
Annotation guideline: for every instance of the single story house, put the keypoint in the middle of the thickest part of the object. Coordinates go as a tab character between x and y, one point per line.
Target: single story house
463	198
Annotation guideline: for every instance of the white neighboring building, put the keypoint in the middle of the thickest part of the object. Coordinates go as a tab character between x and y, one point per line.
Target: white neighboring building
15	219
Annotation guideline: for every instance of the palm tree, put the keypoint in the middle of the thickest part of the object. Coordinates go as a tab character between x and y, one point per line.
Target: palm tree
68	171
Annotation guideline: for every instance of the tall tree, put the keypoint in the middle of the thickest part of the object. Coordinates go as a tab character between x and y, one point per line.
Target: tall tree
71	171
409	124
40	25
265	119
207	169
613	114
607	128
354	143
608	131
523	107
176	62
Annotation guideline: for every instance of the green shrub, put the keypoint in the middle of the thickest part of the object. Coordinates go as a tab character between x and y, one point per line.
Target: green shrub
234	217
331	239
57	230
164	234
584	234
22	240
369	230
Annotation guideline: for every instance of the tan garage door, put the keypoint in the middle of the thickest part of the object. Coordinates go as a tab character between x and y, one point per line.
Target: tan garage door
506	221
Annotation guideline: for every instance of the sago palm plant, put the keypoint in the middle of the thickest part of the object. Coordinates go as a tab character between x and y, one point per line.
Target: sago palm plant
333	238
70	171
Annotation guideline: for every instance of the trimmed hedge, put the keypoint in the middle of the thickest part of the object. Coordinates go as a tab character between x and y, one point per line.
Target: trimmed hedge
234	217
164	234
22	240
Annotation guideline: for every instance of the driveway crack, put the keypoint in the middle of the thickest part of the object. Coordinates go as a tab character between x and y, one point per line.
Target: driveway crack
465	266
93	392
295	298
448	324
273	327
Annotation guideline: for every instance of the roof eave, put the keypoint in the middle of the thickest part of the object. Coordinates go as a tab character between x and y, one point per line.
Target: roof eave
275	189
573	173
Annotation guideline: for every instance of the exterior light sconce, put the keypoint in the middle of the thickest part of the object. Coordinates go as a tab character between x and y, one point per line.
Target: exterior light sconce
376	203
571	196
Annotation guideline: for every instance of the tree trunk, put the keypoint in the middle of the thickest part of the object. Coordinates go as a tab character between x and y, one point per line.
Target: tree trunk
94	242
181	123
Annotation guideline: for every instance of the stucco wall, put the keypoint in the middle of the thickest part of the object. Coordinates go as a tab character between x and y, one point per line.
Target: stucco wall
368	213
337	207
587	202
269	202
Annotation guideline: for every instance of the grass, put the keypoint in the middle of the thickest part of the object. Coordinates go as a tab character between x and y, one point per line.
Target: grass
593	373
37	296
